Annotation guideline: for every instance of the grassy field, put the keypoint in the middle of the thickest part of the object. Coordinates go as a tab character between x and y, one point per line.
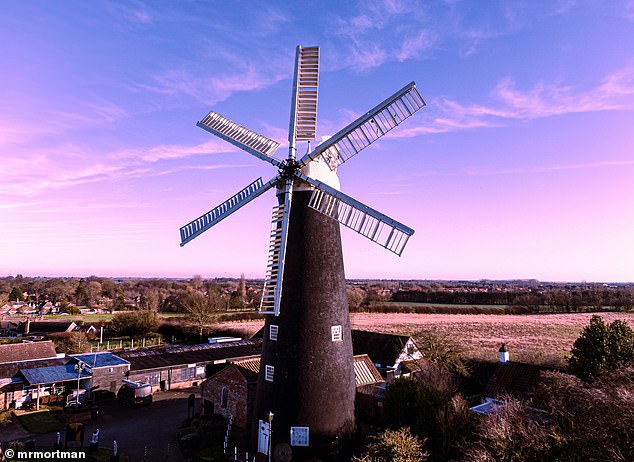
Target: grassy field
537	339
88	318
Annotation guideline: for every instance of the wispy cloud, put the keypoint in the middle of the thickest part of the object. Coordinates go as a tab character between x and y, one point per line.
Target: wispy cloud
614	92
15	131
68	166
549	168
413	47
134	12
210	88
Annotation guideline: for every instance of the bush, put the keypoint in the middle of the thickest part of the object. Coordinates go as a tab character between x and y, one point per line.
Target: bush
441	350
602	347
135	323
70	309
431	410
393	446
6	417
568	420
511	433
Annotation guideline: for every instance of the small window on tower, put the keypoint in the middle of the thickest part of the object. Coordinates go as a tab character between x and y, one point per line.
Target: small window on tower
337	333
223	397
268	373
300	436
273	332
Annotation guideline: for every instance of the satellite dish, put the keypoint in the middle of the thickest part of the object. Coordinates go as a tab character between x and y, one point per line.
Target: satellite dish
282	452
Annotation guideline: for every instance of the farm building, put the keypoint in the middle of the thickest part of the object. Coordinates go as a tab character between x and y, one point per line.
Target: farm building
387	351
17	357
44	328
509	379
184	365
107	370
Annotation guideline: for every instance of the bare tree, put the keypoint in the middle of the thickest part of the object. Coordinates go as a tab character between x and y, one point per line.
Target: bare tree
203	310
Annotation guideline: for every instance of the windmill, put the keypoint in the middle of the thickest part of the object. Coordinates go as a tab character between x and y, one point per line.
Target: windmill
306	376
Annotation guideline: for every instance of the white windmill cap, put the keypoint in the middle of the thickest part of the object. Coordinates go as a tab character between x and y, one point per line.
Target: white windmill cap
319	170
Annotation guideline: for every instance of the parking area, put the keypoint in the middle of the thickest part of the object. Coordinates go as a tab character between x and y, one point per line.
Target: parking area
142	433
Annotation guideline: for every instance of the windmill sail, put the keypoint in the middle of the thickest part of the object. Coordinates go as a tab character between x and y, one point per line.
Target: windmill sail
374	225
258	145
305	94
201	224
272	291
368	128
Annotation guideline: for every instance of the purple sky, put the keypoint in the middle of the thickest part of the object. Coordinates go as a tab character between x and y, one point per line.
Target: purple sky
521	165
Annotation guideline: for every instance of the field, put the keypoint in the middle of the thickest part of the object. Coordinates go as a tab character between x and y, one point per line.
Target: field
538	339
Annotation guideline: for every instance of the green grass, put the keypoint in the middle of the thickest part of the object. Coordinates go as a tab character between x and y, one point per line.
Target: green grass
172	315
88	318
40	422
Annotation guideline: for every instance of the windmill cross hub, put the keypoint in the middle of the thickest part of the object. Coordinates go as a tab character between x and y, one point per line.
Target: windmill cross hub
306	371
288	168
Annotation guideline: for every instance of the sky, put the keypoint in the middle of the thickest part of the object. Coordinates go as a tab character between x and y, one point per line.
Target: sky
520	166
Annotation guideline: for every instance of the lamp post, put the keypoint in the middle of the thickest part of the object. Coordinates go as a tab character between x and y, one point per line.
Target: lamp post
79	367
270	417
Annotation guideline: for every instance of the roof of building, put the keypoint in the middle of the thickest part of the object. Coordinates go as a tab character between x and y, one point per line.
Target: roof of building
101	359
155	358
10	370
378	390
517	379
48	327
14	352
365	373
486	407
53	374
249	368
383	348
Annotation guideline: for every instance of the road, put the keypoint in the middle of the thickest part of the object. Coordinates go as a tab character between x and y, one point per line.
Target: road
143	433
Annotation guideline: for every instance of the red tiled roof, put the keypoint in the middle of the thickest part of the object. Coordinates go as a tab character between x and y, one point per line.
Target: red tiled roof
517	379
14	352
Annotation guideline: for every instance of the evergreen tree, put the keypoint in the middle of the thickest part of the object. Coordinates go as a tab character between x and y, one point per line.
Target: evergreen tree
602	347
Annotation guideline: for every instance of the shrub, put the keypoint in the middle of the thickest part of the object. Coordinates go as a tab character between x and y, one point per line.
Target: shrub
135	323
512	433
602	347
393	446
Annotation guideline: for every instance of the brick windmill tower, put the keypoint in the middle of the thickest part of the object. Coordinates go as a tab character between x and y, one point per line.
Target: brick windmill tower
306	384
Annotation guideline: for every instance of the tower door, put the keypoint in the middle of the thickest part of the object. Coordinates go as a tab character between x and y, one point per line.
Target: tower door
263	437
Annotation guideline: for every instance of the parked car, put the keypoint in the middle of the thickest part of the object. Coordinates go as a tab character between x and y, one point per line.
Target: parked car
134	393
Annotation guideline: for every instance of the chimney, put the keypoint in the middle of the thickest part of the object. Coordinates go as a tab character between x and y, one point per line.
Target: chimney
27	328
504	354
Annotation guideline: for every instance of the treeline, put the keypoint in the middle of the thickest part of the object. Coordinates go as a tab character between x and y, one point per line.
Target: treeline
166	295
541	299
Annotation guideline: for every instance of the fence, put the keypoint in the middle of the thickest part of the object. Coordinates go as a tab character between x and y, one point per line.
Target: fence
121	343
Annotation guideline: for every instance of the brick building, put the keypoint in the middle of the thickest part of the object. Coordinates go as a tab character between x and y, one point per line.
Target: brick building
107	370
231	391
